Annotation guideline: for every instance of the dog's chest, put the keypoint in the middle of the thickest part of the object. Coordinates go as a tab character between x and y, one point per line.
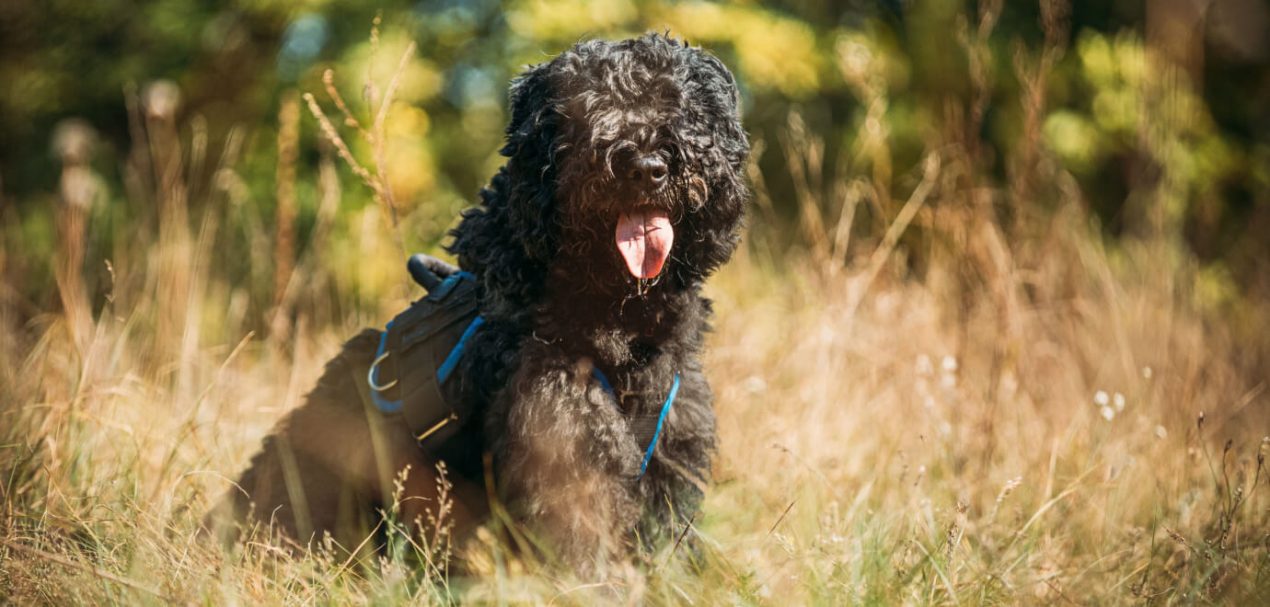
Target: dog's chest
641	390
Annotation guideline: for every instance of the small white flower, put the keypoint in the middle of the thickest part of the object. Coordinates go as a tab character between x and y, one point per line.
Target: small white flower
1108	413
1147	372
949	363
1161	433
1101	398
1118	400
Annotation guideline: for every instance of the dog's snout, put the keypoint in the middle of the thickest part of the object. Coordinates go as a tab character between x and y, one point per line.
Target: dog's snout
648	172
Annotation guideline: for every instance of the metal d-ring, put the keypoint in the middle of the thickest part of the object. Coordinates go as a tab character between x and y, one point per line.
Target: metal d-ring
370	375
437	426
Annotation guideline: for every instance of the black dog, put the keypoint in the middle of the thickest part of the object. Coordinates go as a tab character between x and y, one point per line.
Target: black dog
622	192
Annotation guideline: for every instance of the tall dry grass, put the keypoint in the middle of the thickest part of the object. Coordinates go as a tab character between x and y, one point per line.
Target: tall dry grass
1031	414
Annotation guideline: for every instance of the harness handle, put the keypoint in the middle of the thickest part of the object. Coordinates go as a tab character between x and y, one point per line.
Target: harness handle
428	271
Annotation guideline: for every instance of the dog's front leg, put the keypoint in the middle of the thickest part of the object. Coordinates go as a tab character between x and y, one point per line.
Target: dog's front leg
566	461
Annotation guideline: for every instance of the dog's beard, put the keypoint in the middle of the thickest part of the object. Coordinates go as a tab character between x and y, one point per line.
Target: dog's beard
644	238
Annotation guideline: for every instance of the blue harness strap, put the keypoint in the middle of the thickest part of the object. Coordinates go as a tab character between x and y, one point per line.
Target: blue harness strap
604	381
661	417
372	377
443	372
446	368
452	359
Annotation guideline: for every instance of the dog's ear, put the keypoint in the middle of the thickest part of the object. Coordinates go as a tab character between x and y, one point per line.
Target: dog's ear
531	166
509	239
722	149
530	102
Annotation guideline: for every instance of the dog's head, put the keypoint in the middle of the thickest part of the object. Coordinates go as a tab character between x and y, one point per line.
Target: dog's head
626	161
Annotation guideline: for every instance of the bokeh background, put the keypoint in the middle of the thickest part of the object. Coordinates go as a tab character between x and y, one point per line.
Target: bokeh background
980	228
904	76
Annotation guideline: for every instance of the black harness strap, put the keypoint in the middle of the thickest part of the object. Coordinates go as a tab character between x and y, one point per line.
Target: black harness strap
417	353
420	348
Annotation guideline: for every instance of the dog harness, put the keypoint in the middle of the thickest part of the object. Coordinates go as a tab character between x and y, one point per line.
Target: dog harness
445	321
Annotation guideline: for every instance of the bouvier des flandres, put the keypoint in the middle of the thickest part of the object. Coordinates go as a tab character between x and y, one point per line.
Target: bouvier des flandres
623	190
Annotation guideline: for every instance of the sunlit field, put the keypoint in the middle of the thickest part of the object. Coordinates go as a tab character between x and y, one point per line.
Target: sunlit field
937	382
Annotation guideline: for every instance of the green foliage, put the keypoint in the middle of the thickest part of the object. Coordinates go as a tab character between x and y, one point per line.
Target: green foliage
870	79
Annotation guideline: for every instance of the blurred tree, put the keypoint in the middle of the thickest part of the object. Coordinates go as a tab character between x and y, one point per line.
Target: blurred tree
860	74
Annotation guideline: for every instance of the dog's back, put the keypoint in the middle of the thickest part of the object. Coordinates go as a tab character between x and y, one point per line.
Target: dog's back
331	466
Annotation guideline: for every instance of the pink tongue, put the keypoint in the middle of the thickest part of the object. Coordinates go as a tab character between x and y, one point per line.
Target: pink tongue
644	238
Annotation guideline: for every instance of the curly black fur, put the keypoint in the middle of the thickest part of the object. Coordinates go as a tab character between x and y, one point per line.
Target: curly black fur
557	297
558	300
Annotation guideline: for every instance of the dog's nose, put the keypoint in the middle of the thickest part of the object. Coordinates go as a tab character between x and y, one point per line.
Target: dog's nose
648	172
